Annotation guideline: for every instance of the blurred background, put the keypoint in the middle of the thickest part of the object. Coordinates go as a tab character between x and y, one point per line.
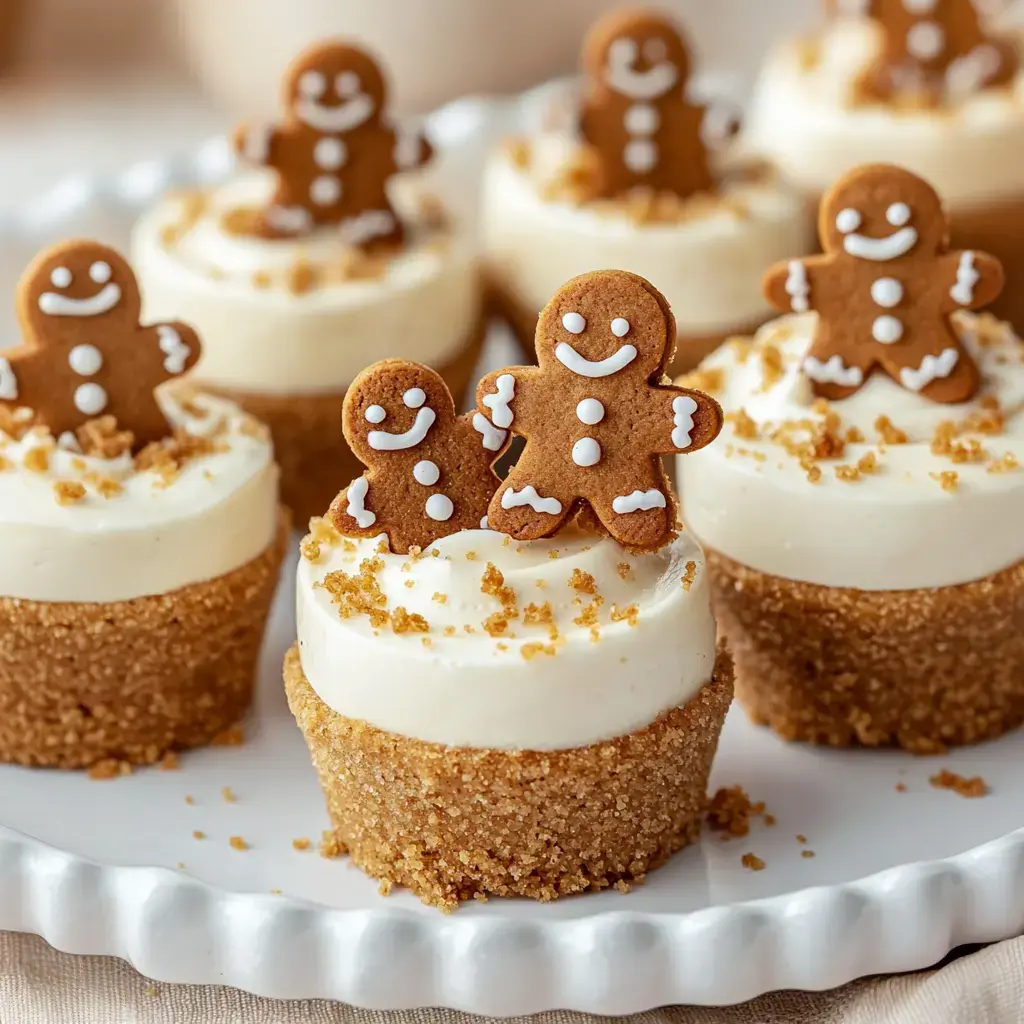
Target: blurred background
95	84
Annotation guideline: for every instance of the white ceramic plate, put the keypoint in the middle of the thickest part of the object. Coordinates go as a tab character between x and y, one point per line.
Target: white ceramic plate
898	878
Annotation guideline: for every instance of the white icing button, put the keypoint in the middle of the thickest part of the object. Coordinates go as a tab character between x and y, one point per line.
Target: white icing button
312	84
640	156
347	84
375	414
574	323
848	220
329	153
100	272
887	330
426	472
898	214
887	292
642	119
61	277
586	452
90	399
590	411
414	398
620	327
440	508
926	40
85	360
325	190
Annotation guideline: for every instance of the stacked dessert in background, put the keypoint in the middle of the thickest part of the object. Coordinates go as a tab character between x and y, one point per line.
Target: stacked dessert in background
140	528
512	687
635	184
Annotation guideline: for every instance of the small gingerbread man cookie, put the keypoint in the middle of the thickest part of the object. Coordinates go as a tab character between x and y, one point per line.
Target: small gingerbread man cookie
429	472
85	353
933	48
635	114
335	150
596	415
885	289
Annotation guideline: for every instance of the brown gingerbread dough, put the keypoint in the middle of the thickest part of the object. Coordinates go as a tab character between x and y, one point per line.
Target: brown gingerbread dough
885	289
429	471
335	150
85	353
596	415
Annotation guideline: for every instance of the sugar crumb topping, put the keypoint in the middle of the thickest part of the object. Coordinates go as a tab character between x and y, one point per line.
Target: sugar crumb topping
68	492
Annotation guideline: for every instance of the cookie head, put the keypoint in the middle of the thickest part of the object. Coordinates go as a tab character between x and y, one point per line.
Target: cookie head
603	324
74	282
637	54
335	88
882	213
393	407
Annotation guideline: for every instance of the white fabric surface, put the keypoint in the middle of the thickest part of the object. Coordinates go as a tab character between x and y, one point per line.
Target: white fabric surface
41	986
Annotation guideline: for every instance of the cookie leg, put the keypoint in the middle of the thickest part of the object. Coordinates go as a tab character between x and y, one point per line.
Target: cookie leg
836	374
640	516
529	508
941	371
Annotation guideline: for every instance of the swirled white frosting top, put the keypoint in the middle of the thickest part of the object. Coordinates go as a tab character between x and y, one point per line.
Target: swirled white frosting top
83	527
282	316
882	491
482	641
807	119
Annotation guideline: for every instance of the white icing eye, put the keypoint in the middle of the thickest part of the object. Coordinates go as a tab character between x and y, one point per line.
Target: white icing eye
375	414
61	277
414	398
312	84
623	51
655	50
100	272
574	323
848	220
347	84
85	360
898	214
620	327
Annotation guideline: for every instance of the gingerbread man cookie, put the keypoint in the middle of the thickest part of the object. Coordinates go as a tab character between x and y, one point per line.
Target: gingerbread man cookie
885	289
429	472
85	353
596	415
933	48
635	114
335	150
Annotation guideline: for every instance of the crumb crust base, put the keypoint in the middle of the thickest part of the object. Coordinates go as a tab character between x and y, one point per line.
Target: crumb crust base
315	461
131	680
919	669
453	824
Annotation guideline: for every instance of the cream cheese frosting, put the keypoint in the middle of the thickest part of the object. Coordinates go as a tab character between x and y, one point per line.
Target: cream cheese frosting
805	118
76	528
267	327
708	264
482	641
881	491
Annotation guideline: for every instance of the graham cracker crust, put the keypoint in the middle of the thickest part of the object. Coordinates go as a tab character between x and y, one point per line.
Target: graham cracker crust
690	350
315	461
920	669
453	824
131	680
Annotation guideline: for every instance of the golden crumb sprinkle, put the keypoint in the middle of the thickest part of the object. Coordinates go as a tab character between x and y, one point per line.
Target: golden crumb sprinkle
689	575
743	425
772	368
630	614
623	569
848	474
854	435
769	820
533	650
948	480
801	838
553	554
234	736
409	584
888	433
752	862
228	795
595	635
494	625
427	642
501	646
330	846
358	594
807	854
198	835
108	768
190	800
302	843
382	546
813	474
68	492
449	631
539	615
588	615
900	787
238	843
970	788
37	460
518	151
107	486
101	438
170	762
582	582
322	532
730	811
168	457
868	464
403	622
1006	464
440	598
710	381
470	556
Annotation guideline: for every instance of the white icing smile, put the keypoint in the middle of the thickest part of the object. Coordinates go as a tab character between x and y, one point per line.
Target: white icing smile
102	302
621	74
342	118
384	441
572	360
880	250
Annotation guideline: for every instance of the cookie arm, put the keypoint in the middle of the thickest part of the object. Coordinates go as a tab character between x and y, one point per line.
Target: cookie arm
681	420
349	512
412	149
976	280
504	401
256	143
8	381
178	347
789	285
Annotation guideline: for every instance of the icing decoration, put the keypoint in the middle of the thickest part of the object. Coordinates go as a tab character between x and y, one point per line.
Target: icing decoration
625	418
90	328
620	327
429	448
574	323
635	115
639	501
334	150
797	288
934	49
902	223
497	404
492	438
